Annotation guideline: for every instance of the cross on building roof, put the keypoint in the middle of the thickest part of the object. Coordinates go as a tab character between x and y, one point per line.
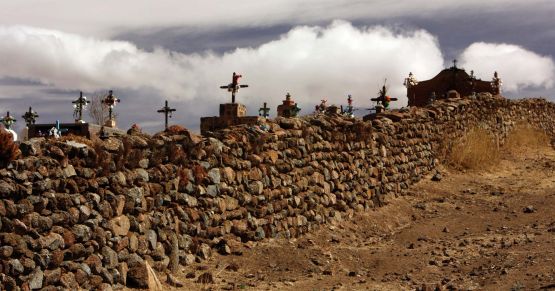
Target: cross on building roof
263	111
30	116
167	112
234	86
79	105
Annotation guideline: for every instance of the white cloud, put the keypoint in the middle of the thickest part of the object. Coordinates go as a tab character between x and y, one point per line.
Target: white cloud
519	68
310	62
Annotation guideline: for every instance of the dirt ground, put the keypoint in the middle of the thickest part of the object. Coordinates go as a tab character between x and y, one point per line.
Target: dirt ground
482	230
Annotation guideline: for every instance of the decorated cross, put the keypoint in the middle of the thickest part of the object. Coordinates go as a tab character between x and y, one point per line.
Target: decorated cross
349	110
234	86
8	121
383	100
57	131
263	111
110	101
455	63
78	106
167	112
30	116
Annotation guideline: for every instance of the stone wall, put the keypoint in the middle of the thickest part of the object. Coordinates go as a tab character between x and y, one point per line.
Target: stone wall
73	215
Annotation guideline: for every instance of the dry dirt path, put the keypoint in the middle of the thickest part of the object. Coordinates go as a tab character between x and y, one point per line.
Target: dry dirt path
486	230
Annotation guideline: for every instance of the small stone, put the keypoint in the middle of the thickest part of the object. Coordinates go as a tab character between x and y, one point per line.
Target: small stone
205	278
234	267
446	230
437	177
529	209
190	275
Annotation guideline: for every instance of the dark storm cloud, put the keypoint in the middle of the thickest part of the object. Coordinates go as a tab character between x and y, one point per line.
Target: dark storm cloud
13	81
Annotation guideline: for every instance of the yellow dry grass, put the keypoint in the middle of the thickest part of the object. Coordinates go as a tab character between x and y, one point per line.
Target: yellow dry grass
524	137
479	149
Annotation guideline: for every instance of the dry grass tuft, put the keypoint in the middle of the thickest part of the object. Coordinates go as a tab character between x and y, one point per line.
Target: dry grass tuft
477	149
524	137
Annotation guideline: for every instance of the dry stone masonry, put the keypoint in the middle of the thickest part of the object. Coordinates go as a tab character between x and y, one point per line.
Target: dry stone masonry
93	216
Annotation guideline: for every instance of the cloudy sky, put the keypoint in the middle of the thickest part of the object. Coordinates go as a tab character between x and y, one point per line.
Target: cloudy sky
182	51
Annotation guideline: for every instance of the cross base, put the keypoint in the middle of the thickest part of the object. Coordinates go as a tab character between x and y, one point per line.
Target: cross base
110	123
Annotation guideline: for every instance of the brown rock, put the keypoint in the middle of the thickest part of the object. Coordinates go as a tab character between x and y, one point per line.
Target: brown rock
143	276
120	225
137	276
52	277
205	278
123	269
68	280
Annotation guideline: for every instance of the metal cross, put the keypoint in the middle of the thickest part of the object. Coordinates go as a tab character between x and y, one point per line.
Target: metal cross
110	101
263	111
234	86
79	105
8	120
167	112
30	116
455	63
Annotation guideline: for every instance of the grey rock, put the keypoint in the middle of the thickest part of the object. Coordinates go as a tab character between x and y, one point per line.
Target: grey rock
212	190
214	175
152	238
136	193
69	171
15	267
204	251
52	241
142	174
110	257
256	188
81	232
437	177
36	279
529	209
